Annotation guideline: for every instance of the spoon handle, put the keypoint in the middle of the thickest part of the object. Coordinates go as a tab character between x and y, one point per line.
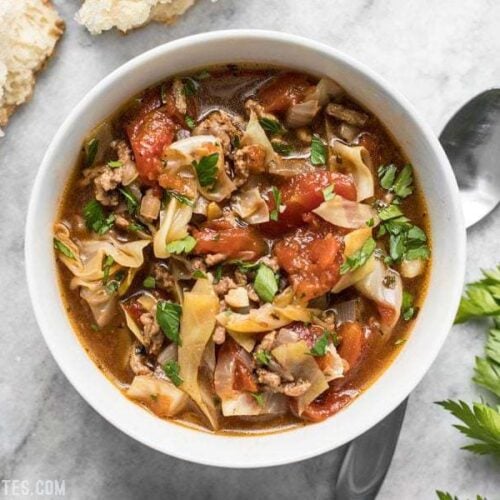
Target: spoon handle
367	460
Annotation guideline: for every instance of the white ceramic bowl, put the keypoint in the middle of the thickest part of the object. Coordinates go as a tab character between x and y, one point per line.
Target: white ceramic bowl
434	319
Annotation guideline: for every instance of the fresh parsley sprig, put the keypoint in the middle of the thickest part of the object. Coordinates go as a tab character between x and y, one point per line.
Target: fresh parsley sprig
206	170
168	316
95	218
181	246
318	151
272	127
401	184
275	212
172	371
265	284
359	258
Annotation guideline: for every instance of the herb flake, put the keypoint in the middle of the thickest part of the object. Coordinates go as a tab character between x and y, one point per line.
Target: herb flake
206	169
168	316
172	371
318	151
265	284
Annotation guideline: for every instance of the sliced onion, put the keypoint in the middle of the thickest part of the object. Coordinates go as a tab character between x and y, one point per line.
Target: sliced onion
168	354
412	268
345	213
254	134
325	90
251	206
356	161
302	114
388	299
348	310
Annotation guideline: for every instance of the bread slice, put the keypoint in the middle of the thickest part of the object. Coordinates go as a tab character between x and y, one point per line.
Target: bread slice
101	15
29	30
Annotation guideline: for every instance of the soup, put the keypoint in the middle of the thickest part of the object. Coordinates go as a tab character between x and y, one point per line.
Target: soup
242	249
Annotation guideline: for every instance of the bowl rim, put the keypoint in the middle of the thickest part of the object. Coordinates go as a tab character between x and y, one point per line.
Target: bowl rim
225	460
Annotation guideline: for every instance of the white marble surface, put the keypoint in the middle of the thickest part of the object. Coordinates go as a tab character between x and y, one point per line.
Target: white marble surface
437	52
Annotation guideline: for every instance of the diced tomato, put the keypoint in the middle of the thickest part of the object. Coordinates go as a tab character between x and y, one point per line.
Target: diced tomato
134	309
283	91
312	260
239	361
304	192
148	135
220	236
352	344
243	378
327	404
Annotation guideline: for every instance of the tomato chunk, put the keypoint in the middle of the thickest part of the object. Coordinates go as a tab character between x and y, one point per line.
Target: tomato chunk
312	259
353	343
283	91
304	192
243	378
148	134
220	236
328	403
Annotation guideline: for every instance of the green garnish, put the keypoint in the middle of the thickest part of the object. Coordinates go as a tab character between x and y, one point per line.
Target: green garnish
265	284
135	226
172	370
487	369
273	127
481	423
65	250
275	213
199	274
218	273
115	164
407	309
190	86
203	75
401	184
190	122
107	262
179	197
328	193
113	285
149	282
318	151
370	222
91	151
181	246
168	316
359	258
282	148
263	357
259	397
320	347
130	199
206	169
94	327
95	218
390	212
482	298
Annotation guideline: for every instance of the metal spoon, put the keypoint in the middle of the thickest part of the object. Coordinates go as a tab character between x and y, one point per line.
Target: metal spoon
471	140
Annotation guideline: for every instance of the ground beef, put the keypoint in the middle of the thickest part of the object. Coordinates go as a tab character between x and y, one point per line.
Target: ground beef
223	126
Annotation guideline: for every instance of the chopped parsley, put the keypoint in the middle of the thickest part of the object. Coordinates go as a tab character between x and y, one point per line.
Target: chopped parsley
199	274
115	164
328	193
65	250
130	199
263	357
407	308
318	151
359	258
282	148
401	184
181	246
149	282
91	151
274	215
172	371
370	222
190	86
265	284
135	226
168	316
96	219
107	263
218	273
272	127
259	398
206	169
320	347
190	122
169	194
113	285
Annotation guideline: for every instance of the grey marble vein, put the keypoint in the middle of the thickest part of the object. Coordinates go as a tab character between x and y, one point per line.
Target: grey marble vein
439	54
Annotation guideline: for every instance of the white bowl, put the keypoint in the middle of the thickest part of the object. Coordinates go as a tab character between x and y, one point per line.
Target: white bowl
434	319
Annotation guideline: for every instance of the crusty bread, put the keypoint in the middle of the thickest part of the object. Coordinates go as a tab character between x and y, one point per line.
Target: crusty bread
29	30
101	15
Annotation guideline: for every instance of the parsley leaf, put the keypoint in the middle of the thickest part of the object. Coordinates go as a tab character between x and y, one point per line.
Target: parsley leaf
190	86
318	151
401	184
107	262
273	127
390	212
179	197
263	357
91	151
130	199
181	246
265	284
65	250
149	282
481	298
172	370
168	316
95	218
487	370
115	164
328	193
481	423
275	213
206	169
359	258
190	122
199	274
387	175
282	148
444	495
320	347
259	398
113	285
218	273
407	308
